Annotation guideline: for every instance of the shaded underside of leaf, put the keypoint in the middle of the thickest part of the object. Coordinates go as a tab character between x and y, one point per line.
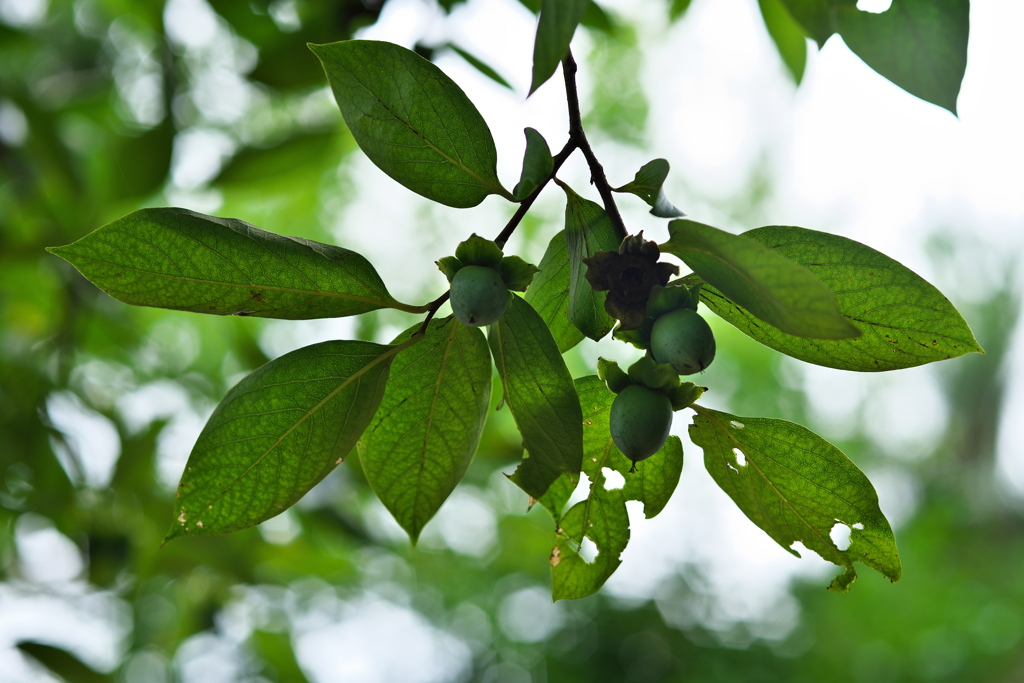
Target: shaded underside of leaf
770	286
796	487
277	433
920	45
549	294
424	435
182	260
588	230
904	320
413	121
540	394
537	165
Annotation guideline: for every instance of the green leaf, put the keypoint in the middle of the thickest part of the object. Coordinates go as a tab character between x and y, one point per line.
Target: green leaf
789	36
648	185
678	9
796	486
604	520
920	45
557	23
655	478
413	121
602	516
540	394
537	165
549	294
516	273
277	433
767	284
424	435
904	320
481	66
588	230
61	662
557	495
179	259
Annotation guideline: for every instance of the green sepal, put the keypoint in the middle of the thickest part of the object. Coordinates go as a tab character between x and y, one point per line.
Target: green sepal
654	375
479	251
685	395
449	265
639	338
666	299
517	273
612	374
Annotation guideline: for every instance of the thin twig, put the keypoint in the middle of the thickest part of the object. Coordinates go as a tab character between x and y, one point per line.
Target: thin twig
579	138
525	205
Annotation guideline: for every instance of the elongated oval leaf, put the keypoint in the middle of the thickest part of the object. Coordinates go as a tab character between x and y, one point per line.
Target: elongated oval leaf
777	290
539	392
277	433
186	261
904	320
549	294
588	230
555	27
413	121
648	185
427	428
796	486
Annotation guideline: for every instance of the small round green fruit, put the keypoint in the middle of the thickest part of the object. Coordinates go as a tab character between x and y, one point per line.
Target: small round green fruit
639	421
683	339
478	296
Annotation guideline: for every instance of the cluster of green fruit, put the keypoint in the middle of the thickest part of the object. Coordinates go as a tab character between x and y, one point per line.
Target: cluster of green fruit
677	339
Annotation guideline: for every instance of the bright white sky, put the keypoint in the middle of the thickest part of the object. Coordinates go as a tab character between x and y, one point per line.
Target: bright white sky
848	152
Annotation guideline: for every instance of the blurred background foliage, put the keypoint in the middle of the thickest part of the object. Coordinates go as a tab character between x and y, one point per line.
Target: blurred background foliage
107	106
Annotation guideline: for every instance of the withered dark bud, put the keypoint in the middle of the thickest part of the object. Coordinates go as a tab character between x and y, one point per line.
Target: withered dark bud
628	276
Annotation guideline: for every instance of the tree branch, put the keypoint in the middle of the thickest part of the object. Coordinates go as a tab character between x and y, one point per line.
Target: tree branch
579	138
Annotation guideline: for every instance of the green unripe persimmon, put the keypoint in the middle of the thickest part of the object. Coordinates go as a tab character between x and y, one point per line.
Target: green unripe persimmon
639	421
684	339
478	296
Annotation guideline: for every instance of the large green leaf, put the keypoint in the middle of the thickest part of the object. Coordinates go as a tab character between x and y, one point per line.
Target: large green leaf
413	121
277	433
789	36
555	27
796	486
767	284
427	428
920	45
588	230
539	392
549	294
903	319
179	259
602	516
